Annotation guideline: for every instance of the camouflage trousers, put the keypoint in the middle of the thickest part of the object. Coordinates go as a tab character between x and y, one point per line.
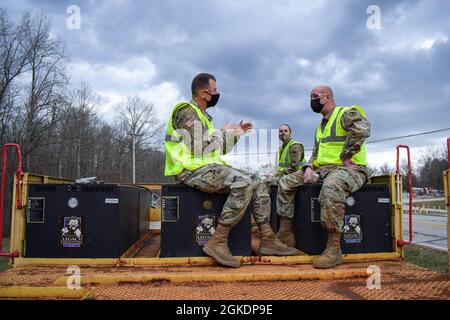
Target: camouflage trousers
337	185
243	189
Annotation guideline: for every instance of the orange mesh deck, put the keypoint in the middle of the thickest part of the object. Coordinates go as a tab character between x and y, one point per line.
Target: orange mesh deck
399	280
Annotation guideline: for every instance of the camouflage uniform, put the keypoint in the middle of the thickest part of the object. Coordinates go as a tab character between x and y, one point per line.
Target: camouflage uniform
242	187
338	181
297	154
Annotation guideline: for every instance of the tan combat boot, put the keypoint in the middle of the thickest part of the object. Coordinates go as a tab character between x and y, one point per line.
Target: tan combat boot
270	245
217	248
285	233
332	256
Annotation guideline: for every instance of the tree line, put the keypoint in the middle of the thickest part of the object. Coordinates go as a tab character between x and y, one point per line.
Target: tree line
55	121
427	172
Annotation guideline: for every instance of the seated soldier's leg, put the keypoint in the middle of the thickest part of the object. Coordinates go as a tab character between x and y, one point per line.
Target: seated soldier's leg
287	188
337	185
221	179
269	244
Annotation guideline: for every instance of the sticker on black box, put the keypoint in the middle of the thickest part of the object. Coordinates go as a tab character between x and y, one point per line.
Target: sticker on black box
72	232
205	229
352	229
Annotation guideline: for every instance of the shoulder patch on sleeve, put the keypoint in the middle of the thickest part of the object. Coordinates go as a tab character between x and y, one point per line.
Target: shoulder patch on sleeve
190	121
184	117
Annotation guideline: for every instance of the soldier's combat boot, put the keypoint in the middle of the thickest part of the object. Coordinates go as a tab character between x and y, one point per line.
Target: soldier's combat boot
285	233
217	248
332	256
270	245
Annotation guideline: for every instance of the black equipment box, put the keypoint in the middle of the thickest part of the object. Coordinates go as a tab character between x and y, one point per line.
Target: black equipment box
189	218
274	218
367	221
84	220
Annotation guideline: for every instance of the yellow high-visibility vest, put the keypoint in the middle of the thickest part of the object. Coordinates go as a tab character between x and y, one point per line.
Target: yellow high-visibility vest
284	159
178	155
331	140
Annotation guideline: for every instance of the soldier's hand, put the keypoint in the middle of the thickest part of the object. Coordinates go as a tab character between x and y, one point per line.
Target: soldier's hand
233	129
246	126
230	126
308	176
350	164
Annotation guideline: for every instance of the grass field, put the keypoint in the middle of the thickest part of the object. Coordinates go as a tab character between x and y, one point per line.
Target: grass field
427	257
3	260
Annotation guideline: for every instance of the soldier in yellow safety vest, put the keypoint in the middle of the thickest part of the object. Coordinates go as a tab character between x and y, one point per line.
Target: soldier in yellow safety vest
290	160
193	149
338	161
290	155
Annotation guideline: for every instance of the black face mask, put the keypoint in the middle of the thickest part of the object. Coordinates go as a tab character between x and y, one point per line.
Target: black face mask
284	136
213	101
316	105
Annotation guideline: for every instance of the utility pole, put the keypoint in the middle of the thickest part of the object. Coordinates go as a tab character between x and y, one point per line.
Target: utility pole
133	148
134	158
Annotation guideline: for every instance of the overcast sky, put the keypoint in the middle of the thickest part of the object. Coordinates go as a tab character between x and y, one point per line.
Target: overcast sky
267	56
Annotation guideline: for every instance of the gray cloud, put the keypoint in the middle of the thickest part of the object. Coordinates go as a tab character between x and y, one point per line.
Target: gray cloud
267	55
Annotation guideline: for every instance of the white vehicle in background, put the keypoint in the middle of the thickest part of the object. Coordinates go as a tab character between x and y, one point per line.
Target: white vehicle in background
418	192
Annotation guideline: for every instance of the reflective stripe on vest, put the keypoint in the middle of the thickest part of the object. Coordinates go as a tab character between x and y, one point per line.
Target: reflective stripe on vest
331	140
178	155
284	160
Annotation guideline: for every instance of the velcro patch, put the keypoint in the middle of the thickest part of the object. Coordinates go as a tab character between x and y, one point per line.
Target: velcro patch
190	122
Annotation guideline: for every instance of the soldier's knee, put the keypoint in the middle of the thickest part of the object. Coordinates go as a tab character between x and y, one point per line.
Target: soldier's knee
332	191
283	184
243	183
261	187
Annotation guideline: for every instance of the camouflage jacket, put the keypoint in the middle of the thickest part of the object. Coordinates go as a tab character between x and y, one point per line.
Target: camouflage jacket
297	154
358	128
187	119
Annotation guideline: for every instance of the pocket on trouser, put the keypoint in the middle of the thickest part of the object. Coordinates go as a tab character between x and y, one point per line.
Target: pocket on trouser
200	184
332	215
235	206
236	199
261	202
355	181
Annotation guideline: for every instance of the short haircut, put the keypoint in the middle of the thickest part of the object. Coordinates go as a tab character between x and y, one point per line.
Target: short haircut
201	81
290	130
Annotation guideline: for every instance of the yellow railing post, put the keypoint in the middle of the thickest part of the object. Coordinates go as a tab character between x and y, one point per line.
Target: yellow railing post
396	188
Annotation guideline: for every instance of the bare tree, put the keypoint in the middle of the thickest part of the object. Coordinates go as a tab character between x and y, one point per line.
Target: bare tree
433	161
138	125
13	62
46	81
266	170
137	117
373	171
385	169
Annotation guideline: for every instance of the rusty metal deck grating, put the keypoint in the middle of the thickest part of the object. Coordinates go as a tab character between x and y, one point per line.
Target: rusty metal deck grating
399	280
